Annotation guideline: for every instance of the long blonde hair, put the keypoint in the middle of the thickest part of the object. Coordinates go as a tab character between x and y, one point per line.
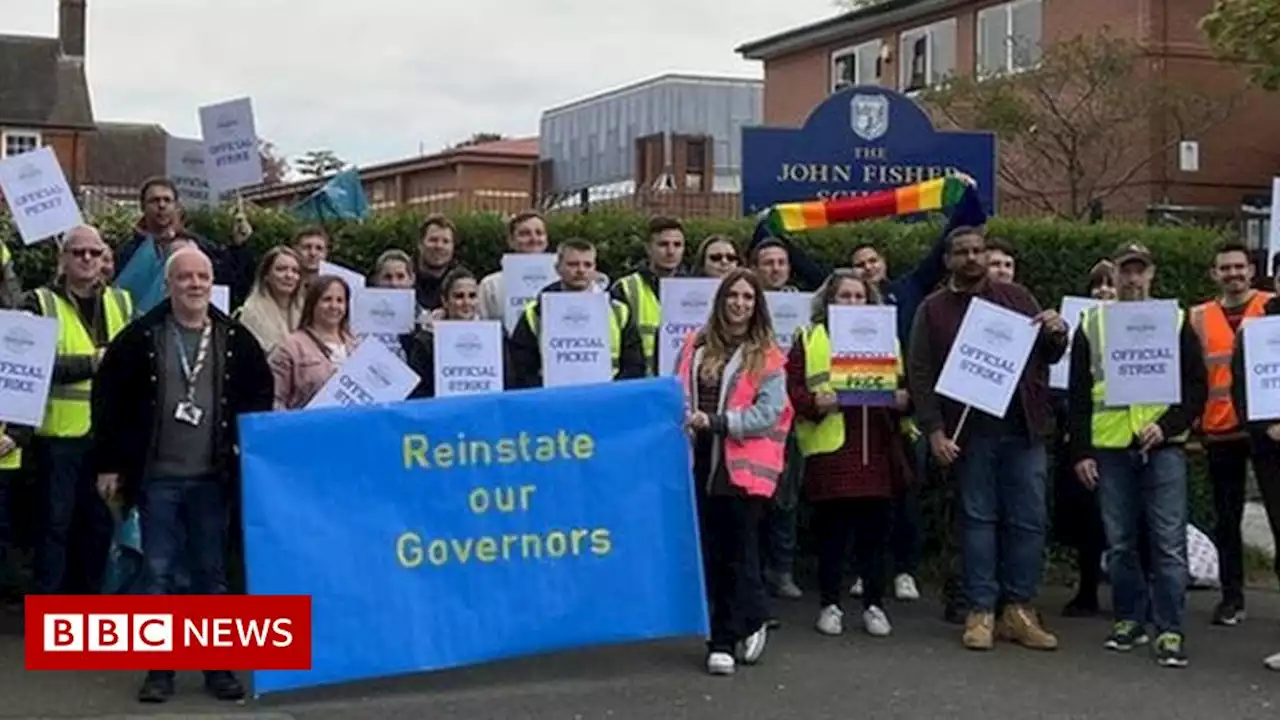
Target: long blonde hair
716	340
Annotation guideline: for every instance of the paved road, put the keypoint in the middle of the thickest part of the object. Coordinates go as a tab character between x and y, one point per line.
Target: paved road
921	672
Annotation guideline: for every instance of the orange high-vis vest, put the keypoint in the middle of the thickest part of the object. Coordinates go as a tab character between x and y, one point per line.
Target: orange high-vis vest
754	463
1216	338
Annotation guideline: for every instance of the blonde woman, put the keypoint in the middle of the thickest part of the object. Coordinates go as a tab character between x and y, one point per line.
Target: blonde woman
307	358
274	306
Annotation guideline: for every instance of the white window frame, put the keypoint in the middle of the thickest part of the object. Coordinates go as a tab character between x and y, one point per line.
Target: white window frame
835	83
908	37
1007	65
8	135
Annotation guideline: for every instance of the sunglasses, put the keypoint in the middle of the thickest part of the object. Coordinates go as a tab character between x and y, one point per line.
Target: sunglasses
85	252
722	257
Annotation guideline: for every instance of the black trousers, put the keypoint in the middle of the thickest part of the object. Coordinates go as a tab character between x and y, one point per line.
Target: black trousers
730	528
865	521
1266	466
1228	467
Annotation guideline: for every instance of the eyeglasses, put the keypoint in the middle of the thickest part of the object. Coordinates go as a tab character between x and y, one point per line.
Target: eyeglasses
85	252
722	257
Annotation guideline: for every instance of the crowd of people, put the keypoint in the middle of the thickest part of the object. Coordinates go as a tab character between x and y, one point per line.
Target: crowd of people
149	377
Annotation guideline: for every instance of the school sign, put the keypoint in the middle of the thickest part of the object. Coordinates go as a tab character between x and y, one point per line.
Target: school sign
859	140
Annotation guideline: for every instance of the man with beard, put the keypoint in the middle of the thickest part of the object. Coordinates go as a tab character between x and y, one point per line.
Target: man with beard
1220	427
435	259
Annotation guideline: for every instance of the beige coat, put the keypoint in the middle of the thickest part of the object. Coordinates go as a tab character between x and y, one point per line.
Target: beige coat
262	317
301	368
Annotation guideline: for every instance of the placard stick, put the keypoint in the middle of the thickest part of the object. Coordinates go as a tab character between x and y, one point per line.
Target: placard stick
864	434
955	437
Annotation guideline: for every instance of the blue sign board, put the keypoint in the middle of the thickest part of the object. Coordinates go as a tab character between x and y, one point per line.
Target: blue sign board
439	533
859	140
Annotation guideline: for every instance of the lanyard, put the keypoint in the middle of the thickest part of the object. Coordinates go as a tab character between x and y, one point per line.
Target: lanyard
192	373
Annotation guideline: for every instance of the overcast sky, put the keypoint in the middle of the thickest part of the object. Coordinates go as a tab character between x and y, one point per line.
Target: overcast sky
375	80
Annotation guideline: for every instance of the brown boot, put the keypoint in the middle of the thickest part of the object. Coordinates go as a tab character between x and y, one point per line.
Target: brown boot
979	628
1020	624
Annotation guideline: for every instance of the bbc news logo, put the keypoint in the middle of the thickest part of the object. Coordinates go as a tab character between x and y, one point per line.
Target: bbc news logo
168	632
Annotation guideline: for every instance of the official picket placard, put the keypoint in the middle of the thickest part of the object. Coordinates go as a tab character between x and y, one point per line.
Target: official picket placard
468	357
864	354
383	311
575	339
27	347
1262	368
232	160
1072	308
184	162
372	375
1142	355
353	279
789	311
987	358
39	199
686	307
524	275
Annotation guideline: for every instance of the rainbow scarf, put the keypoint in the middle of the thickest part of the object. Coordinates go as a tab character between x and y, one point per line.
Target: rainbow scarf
939	194
866	380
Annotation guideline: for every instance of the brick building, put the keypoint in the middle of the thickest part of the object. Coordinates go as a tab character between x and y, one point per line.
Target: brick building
911	44
496	176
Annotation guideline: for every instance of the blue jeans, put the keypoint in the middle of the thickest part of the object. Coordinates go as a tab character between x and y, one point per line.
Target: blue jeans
184	527
1002	499
1132	488
75	525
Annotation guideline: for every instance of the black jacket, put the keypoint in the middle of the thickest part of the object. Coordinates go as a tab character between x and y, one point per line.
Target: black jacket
1257	429
526	351
1176	419
127	388
422	359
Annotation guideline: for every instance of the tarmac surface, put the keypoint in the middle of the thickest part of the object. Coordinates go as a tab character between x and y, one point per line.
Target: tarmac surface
919	672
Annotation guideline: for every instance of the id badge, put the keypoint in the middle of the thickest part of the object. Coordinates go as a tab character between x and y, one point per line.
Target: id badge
189	413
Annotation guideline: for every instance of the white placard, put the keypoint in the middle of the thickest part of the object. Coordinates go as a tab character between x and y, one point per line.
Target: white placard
1273	227
987	358
353	278
38	196
232	160
371	376
863	330
468	357
575	339
184	162
523	277
1262	368
1142	358
27	346
383	311
686	306
221	298
1072	308
789	312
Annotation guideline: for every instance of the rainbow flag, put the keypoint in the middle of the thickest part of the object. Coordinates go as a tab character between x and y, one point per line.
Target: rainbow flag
931	195
864	380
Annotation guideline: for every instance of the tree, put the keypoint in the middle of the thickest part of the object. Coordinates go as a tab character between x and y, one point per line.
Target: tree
1081	125
319	163
478	138
275	168
1247	31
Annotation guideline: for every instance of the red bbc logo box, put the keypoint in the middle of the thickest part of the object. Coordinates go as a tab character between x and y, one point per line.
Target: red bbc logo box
168	632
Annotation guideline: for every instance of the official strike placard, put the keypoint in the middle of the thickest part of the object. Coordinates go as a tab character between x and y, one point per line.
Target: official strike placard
523	277
1262	368
1141	353
468	357
27	345
686	305
988	357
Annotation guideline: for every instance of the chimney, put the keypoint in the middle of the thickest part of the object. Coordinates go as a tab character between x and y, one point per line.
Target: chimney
71	28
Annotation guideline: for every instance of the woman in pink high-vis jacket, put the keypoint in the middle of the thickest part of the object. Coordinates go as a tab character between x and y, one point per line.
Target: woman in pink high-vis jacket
734	377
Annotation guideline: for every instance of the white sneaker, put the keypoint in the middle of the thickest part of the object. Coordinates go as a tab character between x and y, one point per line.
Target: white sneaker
904	588
876	622
856	589
753	646
1273	662
831	621
720	663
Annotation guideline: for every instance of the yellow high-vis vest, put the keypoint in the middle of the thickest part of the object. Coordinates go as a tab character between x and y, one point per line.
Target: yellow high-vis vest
617	320
68	414
643	303
826	436
1114	428
13	460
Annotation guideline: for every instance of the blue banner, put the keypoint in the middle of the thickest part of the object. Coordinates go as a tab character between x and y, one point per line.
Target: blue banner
859	140
439	533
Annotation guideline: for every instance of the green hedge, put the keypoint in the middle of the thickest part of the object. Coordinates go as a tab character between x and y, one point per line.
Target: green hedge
1054	258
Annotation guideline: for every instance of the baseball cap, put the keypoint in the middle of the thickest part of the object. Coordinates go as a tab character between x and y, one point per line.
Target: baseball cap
1128	252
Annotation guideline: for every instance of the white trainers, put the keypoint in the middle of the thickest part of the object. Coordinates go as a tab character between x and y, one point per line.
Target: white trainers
856	589
720	663
876	622
1272	662
830	621
904	588
753	646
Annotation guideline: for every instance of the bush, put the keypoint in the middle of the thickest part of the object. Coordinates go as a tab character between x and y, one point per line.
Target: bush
1054	258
